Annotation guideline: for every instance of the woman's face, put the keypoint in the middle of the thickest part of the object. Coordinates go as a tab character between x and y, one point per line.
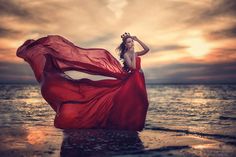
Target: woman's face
129	43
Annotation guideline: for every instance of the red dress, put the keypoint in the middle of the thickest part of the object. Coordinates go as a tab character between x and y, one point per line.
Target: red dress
119	103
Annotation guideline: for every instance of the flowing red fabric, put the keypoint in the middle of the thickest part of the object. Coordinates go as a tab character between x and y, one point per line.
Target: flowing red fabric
119	103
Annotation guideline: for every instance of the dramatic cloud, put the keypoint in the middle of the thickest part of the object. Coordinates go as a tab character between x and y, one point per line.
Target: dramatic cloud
187	39
4	32
194	73
222	34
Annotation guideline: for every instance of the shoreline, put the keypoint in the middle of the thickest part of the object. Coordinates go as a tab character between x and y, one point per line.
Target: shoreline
50	141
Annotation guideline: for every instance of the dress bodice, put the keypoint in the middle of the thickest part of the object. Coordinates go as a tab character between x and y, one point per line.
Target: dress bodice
138	65
138	62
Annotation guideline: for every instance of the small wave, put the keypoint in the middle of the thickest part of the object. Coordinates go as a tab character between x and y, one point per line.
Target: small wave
193	132
227	118
161	149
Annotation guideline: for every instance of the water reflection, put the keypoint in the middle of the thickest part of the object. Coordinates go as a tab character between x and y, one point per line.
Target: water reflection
99	142
36	136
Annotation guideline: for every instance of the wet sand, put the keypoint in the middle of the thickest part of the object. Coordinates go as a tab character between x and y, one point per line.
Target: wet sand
49	141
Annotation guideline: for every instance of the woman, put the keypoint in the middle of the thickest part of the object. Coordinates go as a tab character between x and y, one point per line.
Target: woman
119	103
126	49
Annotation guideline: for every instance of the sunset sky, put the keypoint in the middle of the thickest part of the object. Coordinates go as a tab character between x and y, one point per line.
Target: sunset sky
189	41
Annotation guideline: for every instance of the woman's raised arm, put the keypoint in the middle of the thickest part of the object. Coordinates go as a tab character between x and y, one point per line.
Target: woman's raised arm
145	47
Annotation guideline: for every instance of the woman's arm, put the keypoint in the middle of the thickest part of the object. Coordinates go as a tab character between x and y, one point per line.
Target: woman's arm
145	48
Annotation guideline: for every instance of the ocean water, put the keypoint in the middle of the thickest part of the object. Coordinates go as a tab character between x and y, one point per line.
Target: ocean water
205	110
201	109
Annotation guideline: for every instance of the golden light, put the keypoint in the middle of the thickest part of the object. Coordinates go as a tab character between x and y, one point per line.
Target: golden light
197	47
206	146
35	136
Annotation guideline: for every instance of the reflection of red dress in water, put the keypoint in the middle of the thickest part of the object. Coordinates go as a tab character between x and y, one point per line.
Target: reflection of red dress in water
119	103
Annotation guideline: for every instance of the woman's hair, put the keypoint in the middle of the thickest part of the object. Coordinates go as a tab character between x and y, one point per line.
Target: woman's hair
122	49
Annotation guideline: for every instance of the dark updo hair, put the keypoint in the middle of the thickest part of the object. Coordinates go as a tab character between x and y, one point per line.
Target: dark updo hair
122	49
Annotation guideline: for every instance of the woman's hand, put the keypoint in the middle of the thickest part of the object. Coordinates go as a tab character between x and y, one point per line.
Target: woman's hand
145	48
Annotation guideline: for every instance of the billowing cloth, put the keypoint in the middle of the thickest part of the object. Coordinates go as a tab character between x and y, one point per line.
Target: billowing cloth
119	103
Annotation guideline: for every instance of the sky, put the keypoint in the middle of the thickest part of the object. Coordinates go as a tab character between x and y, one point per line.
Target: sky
189	41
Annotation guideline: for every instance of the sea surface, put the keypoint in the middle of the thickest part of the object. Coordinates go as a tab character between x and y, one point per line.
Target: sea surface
200	109
204	110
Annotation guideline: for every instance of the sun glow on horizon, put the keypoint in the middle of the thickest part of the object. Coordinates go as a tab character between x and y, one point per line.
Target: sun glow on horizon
197	47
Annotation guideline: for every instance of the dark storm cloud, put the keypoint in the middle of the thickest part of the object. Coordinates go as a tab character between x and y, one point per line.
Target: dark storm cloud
31	16
216	9
28	13
224	7
15	72
5	32
222	34
13	8
191	72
